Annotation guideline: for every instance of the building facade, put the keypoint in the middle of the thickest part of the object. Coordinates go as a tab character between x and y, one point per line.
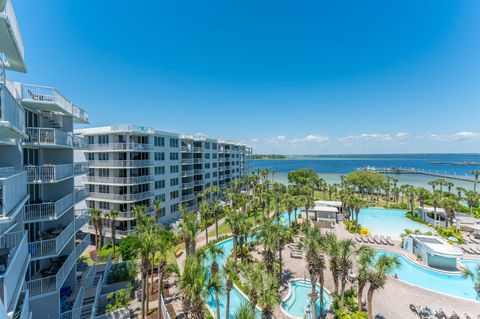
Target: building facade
40	231
132	165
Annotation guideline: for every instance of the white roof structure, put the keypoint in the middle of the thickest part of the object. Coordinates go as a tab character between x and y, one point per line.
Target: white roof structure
439	210
328	209
438	246
329	203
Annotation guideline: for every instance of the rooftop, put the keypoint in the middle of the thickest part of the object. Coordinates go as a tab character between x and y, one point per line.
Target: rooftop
438	245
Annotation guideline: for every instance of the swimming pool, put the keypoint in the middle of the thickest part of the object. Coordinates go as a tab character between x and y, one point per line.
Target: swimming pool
447	283
236	297
388	222
296	301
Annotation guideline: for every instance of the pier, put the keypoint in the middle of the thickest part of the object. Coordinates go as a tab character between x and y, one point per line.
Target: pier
410	170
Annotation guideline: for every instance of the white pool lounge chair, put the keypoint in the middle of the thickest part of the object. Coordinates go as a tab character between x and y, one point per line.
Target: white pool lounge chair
358	238
377	240
468	250
389	241
371	240
383	240
295	254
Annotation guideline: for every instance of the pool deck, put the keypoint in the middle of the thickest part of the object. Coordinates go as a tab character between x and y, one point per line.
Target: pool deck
394	300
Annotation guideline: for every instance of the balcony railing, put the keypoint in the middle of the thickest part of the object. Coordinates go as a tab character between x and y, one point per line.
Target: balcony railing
46	98
48	137
48	210
51	247
120	147
11	279
118	180
187	161
187	173
80	168
186	149
80	142
49	173
16	61
12	115
81	219
80	116
198	182
121	163
23	311
187	185
54	283
124	197
12	188
197	171
80	193
197	149
188	197
198	160
107	231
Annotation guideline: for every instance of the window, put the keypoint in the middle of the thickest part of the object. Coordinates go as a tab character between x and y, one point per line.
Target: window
207	145
103	139
103	189
174	169
214	174
207	165
173	181
214	155
91	139
160	197
173	142
214	165
103	172
207	155
159	184
103	156
207	175
104	205
159	156
90	156
159	141
173	208
173	156
159	170
173	194
214	146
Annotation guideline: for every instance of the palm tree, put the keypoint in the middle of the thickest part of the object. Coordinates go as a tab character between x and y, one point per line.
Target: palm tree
254	273
113	214
333	250
450	205
216	208
474	276
164	242
189	228
475	173
230	271
95	215
205	213
234	220
145	246
433	184
365	259
378	276
422	195
472	199
244	312
156	210
215	252
268	297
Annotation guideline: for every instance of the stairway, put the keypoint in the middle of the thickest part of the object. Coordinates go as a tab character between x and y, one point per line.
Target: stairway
55	120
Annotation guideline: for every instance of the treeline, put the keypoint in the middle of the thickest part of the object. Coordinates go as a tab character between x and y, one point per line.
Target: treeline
268	156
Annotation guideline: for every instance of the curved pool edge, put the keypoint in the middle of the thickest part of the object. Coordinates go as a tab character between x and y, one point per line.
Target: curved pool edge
458	273
290	293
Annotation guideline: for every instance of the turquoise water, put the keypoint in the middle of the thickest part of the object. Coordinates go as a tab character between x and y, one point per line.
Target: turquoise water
236	298
297	300
450	284
388	222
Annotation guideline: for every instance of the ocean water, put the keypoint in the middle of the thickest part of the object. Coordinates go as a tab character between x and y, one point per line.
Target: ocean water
330	167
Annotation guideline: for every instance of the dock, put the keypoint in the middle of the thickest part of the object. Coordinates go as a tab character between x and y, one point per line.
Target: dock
416	171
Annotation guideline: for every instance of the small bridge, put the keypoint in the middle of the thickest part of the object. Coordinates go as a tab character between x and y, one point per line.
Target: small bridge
410	170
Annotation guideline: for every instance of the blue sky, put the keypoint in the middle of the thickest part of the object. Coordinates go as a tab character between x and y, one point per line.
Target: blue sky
288	77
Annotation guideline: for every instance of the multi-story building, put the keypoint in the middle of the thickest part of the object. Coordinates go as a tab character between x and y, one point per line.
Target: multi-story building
40	235
132	165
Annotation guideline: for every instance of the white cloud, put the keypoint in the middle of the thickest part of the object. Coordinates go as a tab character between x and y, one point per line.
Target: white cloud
312	138
276	139
459	136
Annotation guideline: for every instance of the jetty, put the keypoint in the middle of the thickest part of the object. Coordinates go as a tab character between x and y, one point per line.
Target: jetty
416	171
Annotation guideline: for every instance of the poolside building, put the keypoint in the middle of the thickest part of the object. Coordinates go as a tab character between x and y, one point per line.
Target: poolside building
134	165
434	251
322	213
434	216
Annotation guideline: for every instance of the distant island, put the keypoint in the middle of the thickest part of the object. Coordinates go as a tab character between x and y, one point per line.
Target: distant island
268	156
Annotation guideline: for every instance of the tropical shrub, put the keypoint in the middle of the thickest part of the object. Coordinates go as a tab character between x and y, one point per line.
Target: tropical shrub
118	299
417	219
128	247
451	231
122	272
351	226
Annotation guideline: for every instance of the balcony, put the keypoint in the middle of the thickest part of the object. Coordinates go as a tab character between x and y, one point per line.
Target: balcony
186	149
80	193
12	115
23	306
52	278
188	197
197	149
12	278
187	161
37	212
13	189
197	171
10	38
187	173
51	242
44	98
197	160
198	182
80	168
118	180
187	185
80	142
120	163
122	197
82	217
120	147
107	231
48	173
79	115
48	137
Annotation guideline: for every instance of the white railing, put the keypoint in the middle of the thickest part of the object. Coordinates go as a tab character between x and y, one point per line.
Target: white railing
80	168
187	173
187	185
186	149
124	197
197	149
52	246
118	180
80	193
77	313
45	95
188	197
108	232
90	277
82	219
97	296
187	161
197	160
198	182
108	265
12	18
84	243
80	114
25	308
80	142
120	147
48	173
13	188
120	163
163	308
122	313
47	211
16	267
197	171
79	299
48	136
10	110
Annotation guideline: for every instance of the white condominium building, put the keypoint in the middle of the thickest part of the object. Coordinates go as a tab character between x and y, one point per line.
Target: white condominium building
132	165
40	237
